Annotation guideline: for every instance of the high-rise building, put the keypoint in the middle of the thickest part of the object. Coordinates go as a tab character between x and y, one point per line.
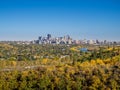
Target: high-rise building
67	37
48	36
97	42
57	40
40	38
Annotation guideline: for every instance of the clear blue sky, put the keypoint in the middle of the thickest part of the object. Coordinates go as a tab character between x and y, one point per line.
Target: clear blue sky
90	19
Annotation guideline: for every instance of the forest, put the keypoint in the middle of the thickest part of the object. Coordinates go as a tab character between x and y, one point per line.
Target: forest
59	67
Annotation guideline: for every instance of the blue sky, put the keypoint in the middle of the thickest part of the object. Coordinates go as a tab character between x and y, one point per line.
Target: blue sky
90	19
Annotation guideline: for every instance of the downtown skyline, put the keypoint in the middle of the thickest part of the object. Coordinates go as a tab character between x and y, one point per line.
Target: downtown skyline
26	20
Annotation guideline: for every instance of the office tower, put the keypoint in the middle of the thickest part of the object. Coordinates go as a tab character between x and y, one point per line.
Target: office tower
48	36
40	38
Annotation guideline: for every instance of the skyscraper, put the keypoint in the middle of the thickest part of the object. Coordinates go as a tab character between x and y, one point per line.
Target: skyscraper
39	38
48	36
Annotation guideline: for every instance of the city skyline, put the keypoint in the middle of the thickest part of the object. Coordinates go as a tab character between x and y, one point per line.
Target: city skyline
26	20
63	40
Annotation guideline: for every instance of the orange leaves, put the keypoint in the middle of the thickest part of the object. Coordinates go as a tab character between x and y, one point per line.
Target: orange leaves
74	49
13	63
99	61
57	80
44	61
93	62
25	73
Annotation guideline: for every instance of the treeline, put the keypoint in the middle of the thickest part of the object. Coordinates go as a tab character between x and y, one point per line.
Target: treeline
32	52
16	52
59	67
90	75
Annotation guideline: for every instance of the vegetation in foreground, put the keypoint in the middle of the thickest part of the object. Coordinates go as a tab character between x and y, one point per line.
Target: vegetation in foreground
48	67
